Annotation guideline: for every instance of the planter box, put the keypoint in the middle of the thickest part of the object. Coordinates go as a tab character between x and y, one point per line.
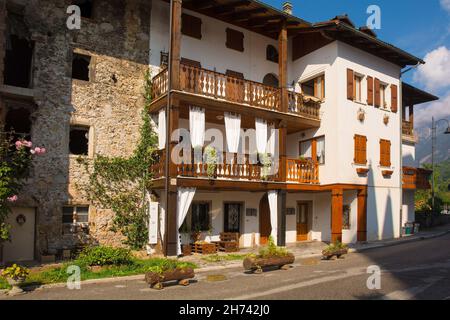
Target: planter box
204	248
156	280
47	258
337	253
257	264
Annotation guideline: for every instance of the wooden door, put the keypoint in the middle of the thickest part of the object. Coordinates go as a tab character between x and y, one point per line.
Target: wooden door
302	221
21	247
232	217
265	228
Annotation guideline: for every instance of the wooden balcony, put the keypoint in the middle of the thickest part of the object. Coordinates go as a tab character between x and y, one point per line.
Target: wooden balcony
408	131
416	178
241	167
222	87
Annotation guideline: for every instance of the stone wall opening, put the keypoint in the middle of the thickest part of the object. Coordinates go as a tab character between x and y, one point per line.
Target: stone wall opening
79	140
18	121
80	67
85	8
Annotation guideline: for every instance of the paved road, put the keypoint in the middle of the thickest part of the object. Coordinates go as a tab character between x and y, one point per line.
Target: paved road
417	270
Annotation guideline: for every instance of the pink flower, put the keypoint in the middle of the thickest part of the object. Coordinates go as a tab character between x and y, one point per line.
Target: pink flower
38	151
13	198
32	151
43	150
28	144
18	144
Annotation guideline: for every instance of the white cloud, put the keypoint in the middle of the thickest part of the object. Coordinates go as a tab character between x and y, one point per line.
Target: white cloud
434	74
445	4
437	109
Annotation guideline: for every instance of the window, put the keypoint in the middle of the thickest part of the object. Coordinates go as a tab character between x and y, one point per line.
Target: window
85	7
79	140
383	95
370	91
80	67
272	53
198	217
191	26
346	217
360	149
75	219
385	153
314	87
235	40
313	149
357	88
18	120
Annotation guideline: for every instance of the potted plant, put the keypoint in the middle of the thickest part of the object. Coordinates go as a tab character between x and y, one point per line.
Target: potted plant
211	162
335	249
15	275
196	234
269	256
266	163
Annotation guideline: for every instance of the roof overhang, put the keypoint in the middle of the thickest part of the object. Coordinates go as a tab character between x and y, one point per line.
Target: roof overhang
341	31
252	15
413	96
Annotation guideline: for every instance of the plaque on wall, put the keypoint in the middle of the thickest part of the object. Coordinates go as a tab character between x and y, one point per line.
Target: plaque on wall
251	212
290	211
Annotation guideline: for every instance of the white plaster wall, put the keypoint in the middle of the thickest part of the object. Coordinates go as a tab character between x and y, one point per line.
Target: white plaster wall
409	155
159	33
408	206
350	235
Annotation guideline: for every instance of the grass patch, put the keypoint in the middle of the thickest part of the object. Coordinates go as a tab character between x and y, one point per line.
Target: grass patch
60	275
227	257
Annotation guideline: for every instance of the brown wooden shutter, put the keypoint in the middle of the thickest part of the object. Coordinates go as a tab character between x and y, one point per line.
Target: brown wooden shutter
350	84
394	98
385	153
360	149
235	40
191	26
377	93
370	91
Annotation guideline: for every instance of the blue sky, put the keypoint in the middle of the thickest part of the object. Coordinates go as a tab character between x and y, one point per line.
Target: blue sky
421	27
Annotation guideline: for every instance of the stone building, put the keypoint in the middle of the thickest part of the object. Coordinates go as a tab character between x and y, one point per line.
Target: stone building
78	93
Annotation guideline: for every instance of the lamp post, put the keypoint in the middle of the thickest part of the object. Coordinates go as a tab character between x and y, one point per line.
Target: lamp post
433	146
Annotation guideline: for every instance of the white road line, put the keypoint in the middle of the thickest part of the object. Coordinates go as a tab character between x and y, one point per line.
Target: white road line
410	293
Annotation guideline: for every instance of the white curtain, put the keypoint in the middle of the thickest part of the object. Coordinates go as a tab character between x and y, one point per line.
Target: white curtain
162	217
233	131
261	135
273	205
306	149
197	126
321	150
162	129
271	144
184	199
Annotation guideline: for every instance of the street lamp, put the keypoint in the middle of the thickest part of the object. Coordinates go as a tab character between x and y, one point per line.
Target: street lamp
433	146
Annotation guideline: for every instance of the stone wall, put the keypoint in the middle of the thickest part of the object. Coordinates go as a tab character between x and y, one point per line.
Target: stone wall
2	53
117	39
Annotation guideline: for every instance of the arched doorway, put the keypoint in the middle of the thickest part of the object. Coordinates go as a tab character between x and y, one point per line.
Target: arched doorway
265	228
270	80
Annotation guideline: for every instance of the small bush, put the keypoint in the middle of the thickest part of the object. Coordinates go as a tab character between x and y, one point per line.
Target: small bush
272	250
168	264
105	256
335	247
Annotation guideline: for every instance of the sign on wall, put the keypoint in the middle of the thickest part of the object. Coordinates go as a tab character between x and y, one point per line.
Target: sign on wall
251	212
153	223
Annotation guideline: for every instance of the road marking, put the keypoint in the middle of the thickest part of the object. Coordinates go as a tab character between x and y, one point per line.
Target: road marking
350	273
411	293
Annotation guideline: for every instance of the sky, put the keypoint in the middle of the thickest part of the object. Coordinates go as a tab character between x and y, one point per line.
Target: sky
420	27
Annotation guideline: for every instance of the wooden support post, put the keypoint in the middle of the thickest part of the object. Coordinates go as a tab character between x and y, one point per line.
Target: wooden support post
281	234
282	65
282	140
411	115
362	215
314	150
175	46
337	209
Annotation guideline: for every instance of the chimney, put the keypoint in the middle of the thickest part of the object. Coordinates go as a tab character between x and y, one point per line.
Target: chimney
287	7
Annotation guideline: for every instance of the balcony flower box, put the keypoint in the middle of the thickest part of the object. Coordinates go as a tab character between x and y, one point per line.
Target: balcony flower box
387	173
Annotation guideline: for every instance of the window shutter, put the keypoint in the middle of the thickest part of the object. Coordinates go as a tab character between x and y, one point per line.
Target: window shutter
370	91
360	149
191	26
385	153
350	84
377	93
394	98
235	40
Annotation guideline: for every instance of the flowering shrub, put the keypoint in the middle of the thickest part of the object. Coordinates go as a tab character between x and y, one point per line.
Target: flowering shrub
15	162
15	272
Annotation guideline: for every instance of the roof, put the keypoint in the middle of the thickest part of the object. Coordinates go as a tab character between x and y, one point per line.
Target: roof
413	96
253	15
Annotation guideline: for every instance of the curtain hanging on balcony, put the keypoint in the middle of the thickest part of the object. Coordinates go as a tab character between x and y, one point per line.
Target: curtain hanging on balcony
261	135
233	131
271	143
162	216
273	205
184	199
197	126
162	129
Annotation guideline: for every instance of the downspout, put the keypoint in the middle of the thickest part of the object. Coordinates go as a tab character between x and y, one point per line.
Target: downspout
168	138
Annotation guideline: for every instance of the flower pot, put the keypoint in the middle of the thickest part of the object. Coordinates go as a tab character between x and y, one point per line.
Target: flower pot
15	283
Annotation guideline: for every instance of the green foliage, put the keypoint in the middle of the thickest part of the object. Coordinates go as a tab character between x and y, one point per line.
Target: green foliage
14	168
168	264
333	247
228	257
272	250
266	162
15	272
121	183
423	201
211	161
104	256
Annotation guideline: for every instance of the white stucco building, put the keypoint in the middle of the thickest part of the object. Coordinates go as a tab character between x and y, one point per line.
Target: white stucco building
324	101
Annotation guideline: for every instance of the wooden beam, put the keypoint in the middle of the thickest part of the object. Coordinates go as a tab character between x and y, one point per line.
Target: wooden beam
230	7
175	46
337	209
261	21
282	67
362	215
245	14
200	4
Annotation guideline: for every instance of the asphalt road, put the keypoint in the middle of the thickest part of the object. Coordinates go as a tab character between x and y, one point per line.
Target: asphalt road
416	270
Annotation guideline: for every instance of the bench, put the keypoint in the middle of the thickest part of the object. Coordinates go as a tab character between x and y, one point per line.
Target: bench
229	242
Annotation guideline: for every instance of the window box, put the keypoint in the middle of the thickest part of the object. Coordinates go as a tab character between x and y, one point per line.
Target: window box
387	173
362	171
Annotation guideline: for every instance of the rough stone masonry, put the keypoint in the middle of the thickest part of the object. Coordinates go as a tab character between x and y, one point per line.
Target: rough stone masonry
116	38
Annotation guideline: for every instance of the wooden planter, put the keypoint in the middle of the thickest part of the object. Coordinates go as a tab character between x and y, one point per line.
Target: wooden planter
338	253
256	264
156	280
204	248
186	249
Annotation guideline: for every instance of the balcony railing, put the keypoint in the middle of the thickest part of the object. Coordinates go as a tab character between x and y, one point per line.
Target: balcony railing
416	178
240	167
224	87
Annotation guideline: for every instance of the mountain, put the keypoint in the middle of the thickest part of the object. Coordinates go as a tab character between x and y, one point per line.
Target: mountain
423	146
